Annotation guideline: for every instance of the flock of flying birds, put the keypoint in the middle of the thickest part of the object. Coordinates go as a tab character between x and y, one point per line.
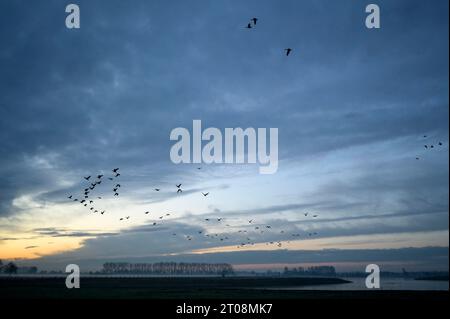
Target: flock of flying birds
88	200
430	146
251	229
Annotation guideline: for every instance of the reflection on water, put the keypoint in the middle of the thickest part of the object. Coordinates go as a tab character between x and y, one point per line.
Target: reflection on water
386	284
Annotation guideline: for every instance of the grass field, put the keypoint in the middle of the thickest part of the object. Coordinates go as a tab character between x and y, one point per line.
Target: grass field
191	288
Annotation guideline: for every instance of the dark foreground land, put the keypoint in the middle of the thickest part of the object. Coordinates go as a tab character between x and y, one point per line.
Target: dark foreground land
193	288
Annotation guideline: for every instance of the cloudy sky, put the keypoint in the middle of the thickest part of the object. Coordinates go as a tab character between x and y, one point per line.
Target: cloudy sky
352	107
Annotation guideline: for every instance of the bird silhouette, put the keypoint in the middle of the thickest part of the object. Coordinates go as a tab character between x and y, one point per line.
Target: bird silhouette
178	186
205	194
254	20
87	178
157	189
288	51
115	170
249	26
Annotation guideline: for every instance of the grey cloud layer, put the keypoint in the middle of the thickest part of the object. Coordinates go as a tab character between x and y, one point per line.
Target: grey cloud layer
107	95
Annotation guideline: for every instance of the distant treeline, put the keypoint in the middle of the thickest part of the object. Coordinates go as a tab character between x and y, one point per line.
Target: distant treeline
168	268
11	268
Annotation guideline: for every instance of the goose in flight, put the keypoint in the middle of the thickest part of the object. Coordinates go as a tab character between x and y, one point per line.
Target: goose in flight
249	26
115	170
87	178
254	20
157	189
288	51
178	186
205	194
179	190
146	213
99	176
